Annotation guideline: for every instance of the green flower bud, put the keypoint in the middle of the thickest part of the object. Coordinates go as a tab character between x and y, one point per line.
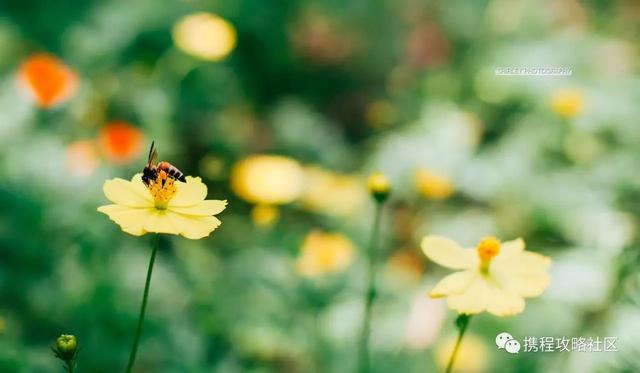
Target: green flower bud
66	346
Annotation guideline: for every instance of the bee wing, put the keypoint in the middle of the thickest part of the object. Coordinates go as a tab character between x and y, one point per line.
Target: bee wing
153	154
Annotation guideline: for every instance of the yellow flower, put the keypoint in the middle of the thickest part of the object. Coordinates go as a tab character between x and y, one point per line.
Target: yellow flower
568	103
332	193
267	179
163	207
324	253
205	35
433	185
264	215
495	277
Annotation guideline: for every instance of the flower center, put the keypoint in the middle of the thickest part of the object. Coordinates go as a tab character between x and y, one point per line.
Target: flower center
162	189
487	249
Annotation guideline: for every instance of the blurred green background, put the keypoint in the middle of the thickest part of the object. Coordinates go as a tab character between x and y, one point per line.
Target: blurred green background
337	90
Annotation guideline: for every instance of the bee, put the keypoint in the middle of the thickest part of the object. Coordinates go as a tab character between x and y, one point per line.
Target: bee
162	170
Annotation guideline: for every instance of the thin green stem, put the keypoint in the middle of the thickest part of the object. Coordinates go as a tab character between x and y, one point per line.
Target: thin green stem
318	343
70	366
143	307
462	322
370	295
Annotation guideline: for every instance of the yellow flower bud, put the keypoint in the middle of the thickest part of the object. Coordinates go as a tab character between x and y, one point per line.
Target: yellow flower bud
379	186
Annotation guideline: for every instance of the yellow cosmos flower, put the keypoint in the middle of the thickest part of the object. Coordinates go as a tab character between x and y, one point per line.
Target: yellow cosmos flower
332	193
495	277
264	215
205	35
169	207
568	103
267	179
324	253
433	185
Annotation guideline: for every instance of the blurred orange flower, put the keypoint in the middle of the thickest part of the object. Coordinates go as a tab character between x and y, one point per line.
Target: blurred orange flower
48	79
120	141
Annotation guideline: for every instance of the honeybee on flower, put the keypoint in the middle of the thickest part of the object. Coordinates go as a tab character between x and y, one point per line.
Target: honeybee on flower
153	202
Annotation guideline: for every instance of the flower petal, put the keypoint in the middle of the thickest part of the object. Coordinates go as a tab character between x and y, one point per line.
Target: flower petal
205	208
192	226
447	253
159	222
190	193
453	284
512	247
128	193
486	294
525	262
505	303
528	285
130	219
524	272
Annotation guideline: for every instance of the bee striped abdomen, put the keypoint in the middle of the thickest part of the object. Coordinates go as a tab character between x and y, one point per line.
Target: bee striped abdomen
171	171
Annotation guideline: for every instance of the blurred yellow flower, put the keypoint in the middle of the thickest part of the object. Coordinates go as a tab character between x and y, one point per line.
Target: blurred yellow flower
323	253
267	179
406	264
433	185
332	193
264	215
472	356
495	277
378	186
164	207
568	103
205	35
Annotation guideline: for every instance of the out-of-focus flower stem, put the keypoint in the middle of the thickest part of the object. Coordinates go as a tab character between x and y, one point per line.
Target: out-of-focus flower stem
461	322
370	294
143	307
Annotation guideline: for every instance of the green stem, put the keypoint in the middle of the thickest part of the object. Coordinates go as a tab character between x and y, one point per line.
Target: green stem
319	345
143	307
70	365
462	322
371	290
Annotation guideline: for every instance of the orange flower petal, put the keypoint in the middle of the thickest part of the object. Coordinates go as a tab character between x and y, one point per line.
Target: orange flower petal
121	141
48	79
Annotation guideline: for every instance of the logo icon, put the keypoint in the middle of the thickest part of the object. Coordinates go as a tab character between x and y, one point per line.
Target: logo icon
506	341
512	347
